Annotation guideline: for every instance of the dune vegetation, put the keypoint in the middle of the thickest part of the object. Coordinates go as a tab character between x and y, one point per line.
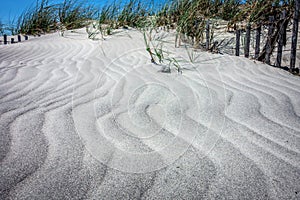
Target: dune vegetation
185	16
188	18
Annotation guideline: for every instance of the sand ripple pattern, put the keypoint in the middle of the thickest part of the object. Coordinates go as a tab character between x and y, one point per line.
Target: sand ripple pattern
85	119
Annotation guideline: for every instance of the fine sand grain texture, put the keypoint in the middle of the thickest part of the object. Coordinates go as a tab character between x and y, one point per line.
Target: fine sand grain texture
83	119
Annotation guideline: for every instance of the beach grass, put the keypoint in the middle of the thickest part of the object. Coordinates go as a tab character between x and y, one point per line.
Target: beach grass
37	19
188	18
75	14
45	17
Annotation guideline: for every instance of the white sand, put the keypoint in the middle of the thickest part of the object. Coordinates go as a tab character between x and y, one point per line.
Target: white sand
95	119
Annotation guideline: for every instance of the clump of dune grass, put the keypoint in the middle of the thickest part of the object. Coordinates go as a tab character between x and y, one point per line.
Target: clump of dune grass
92	31
40	18
75	14
45	17
107	19
192	16
140	16
155	46
132	14
115	15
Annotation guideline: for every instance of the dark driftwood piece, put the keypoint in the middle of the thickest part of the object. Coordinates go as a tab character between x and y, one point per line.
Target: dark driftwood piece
247	43
237	43
295	35
207	35
269	41
282	34
257	41
273	40
4	39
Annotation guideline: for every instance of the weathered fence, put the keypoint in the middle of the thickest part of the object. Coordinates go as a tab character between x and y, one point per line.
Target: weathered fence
13	39
295	35
266	37
273	30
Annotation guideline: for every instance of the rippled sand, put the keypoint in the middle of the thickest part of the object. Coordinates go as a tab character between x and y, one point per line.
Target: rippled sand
83	119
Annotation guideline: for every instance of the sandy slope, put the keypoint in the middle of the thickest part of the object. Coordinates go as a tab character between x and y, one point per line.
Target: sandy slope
95	119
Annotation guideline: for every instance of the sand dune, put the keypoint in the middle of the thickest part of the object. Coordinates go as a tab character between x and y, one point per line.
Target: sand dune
83	119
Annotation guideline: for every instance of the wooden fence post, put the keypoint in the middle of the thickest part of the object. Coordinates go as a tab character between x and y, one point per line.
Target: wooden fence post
19	38
280	40
4	39
237	44
295	35
257	40
247	43
269	41
12	40
207	35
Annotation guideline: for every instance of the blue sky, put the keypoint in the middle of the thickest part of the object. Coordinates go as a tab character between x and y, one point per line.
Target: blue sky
13	8
10	9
